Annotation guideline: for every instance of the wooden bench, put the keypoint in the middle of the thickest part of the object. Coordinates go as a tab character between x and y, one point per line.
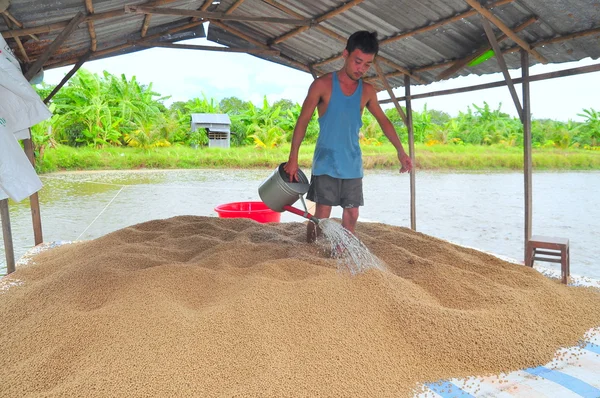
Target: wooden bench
549	249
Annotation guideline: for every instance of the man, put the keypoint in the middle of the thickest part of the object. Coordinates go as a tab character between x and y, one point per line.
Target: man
340	98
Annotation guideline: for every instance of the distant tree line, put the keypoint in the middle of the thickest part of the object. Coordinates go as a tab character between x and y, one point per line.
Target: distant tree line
109	110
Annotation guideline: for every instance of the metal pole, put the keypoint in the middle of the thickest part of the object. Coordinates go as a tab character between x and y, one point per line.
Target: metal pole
411	152
527	162
7	236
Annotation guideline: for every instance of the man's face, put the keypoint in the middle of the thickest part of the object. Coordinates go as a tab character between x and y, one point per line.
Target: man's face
357	63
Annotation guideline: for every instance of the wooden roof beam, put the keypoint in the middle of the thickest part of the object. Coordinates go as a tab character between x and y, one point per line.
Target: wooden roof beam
544	76
258	51
120	47
61	25
257	43
318	20
487	26
65	79
17	23
58	41
540	43
388	88
9	24
422	29
234	7
214	15
461	63
148	17
514	37
341	39
442	22
89	6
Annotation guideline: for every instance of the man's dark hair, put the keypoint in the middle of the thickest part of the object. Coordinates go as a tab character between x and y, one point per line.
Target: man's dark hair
364	40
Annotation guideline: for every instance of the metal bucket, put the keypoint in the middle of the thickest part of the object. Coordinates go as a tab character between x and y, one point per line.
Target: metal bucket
277	191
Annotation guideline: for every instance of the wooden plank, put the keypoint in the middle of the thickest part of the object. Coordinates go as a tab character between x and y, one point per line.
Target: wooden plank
544	76
37	65
65	79
209	16
411	152
9	251
500	58
488	15
313	72
34	202
209	48
321	18
527	160
550	241
388	88
461	63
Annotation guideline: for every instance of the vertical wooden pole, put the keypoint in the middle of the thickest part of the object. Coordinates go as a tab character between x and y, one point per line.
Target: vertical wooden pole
7	236
34	201
527	162
411	152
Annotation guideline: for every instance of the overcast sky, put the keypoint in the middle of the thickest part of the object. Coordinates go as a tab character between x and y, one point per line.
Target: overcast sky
186	74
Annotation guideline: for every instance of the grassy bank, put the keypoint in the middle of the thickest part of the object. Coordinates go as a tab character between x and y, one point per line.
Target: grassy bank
439	157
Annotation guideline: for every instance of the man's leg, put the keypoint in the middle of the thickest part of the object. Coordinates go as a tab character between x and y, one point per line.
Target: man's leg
312	230
349	218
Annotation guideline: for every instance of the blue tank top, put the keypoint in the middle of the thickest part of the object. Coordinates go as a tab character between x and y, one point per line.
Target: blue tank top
337	152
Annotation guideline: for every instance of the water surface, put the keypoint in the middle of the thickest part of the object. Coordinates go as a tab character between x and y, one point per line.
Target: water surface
480	210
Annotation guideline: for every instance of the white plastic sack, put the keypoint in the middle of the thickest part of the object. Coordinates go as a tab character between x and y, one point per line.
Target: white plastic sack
20	108
17	176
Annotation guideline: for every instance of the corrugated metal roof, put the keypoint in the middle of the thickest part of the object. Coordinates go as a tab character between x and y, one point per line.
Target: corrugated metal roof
210	118
420	37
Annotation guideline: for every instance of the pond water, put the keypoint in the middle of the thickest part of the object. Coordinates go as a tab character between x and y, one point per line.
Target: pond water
479	210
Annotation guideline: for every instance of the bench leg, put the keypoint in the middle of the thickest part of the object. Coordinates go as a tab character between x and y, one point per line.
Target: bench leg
564	265
529	255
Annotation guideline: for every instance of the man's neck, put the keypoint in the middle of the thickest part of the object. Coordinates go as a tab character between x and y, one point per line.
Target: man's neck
345	79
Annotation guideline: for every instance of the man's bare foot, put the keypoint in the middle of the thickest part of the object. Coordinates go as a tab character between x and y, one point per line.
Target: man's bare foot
311	232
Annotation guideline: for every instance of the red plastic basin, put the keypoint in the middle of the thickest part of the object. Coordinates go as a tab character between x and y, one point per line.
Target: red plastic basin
258	211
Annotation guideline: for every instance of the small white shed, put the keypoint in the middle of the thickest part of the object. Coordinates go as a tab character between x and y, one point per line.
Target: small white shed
217	127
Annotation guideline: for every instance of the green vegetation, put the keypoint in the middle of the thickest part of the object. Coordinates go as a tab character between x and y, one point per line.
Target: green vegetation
437	157
109	122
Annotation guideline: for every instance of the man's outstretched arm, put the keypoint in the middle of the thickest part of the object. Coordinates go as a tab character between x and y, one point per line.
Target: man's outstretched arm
388	128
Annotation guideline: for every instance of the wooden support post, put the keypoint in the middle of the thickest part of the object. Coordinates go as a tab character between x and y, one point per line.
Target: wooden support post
68	75
39	63
500	58
7	236
411	152
34	201
389	90
527	162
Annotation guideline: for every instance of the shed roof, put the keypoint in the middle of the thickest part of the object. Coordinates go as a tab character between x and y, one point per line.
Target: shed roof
419	38
210	118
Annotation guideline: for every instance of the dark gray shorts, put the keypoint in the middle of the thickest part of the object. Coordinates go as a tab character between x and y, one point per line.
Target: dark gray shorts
331	191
